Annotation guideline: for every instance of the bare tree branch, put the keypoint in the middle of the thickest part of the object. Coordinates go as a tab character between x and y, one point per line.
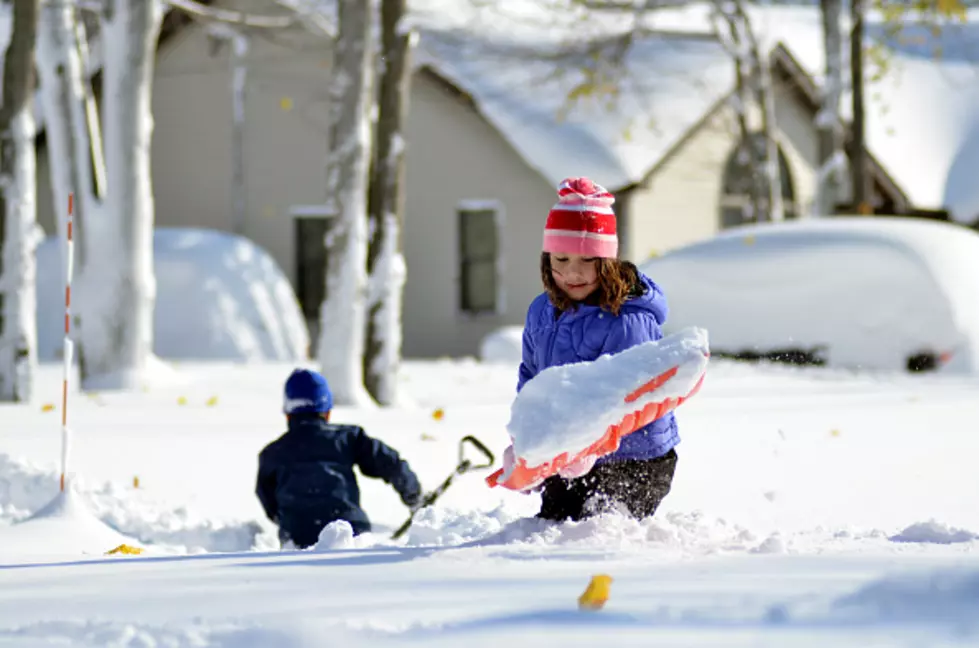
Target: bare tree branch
254	21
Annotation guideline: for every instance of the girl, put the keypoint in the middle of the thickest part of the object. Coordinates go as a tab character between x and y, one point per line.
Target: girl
596	304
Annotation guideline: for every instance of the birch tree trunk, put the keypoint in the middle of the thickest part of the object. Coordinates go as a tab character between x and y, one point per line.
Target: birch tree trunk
832	159
69	134
116	308
385	261
343	313
18	209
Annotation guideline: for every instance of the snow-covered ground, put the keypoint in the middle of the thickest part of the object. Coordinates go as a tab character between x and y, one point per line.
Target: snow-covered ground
811	507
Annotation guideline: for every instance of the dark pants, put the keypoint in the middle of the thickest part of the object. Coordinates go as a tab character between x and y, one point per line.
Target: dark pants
303	536
637	485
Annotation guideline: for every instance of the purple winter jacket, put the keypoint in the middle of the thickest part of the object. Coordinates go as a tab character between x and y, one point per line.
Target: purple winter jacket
583	334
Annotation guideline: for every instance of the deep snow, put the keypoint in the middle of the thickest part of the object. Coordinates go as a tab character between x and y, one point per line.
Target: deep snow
811	507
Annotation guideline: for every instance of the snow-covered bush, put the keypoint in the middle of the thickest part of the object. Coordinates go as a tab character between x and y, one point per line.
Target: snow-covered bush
219	297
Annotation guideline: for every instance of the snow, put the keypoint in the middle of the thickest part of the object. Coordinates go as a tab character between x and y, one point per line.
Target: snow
62	526
805	285
568	408
791	522
386	285
219	297
504	345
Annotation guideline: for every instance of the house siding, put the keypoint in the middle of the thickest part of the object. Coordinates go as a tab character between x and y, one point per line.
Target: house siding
453	156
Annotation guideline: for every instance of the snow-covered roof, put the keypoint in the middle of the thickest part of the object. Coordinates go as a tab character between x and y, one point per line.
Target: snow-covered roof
874	291
672	83
922	115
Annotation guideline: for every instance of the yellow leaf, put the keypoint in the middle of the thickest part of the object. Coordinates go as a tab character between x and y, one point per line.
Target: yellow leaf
596	594
125	549
427	437
212	401
834	433
47	407
136	482
182	400
438	414
286	104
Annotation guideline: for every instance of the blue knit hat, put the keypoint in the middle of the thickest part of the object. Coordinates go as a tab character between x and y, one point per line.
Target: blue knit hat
307	392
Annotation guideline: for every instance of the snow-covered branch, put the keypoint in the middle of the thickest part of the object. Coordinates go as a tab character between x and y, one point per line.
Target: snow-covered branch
234	17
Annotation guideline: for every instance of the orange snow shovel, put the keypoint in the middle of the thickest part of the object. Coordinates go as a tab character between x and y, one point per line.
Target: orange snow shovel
525	477
464	466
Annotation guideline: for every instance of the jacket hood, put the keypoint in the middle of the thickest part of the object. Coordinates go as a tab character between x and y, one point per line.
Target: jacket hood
652	299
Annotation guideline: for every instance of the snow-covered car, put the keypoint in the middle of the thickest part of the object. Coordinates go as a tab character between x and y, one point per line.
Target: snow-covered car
873	293
218	297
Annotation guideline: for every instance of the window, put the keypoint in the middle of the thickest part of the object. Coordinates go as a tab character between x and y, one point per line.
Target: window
739	176
479	257
311	267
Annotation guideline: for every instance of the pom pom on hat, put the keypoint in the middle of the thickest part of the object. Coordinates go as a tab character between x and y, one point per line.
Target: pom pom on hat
307	392
582	222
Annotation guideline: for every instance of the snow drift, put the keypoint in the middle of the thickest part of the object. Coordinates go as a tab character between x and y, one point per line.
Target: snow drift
219	297
871	293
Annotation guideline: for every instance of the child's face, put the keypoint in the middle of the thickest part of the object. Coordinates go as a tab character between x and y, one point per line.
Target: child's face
576	275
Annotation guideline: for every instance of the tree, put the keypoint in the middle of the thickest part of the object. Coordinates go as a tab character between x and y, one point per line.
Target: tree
18	208
385	262
832	159
753	71
116	286
859	179
897	15
343	313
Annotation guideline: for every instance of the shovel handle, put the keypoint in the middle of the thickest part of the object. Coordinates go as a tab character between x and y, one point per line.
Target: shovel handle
476	443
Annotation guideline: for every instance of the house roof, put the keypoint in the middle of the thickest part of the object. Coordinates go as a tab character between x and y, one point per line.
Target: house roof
523	92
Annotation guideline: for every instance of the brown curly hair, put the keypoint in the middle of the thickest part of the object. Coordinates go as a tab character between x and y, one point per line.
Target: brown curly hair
617	281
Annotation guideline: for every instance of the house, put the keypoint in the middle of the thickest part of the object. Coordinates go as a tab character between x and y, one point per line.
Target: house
489	136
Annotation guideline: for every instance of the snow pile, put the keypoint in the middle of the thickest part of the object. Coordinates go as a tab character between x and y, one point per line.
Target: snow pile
123	511
504	345
568	408
935	533
63	526
218	297
871	292
679	533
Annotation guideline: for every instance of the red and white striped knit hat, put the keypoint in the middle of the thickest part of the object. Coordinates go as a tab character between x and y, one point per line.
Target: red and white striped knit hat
582	222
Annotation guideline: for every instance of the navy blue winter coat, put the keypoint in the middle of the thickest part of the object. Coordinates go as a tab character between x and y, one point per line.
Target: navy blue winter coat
306	478
582	334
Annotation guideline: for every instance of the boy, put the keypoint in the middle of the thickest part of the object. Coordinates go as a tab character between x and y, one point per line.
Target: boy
306	478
